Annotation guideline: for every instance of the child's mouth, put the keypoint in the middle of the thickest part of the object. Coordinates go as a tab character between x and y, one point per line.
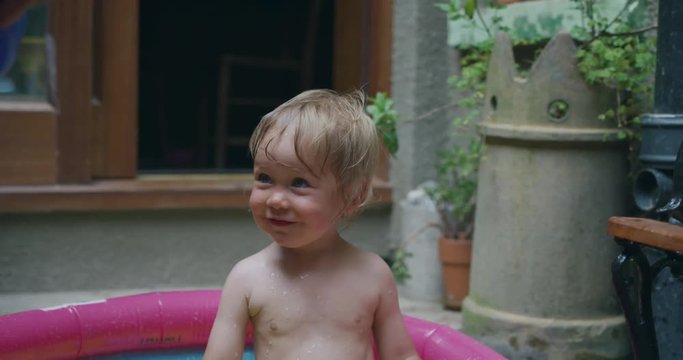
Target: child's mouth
277	222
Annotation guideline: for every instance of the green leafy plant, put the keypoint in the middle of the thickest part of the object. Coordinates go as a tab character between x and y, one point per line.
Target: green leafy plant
381	108
397	262
455	190
619	56
470	84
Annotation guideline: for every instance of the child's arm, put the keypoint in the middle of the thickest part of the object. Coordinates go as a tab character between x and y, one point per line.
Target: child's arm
229	329
391	337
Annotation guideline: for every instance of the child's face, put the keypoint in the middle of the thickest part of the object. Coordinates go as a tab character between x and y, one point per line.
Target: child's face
291	204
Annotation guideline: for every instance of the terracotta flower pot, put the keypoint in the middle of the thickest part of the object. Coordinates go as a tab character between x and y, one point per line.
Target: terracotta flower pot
455	256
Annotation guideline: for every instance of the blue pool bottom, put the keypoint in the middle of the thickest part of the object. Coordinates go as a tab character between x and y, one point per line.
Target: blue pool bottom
185	354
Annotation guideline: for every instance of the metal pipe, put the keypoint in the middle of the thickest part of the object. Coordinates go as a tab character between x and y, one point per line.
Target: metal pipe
651	189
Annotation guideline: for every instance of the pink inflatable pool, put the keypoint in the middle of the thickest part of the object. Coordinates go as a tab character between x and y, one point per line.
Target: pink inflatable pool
163	320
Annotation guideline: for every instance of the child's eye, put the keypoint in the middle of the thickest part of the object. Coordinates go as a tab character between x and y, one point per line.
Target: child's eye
263	178
300	183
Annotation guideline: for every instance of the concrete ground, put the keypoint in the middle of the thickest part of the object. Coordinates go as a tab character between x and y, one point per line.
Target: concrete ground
15	302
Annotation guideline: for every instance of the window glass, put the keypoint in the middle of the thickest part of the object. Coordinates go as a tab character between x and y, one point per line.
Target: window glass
26	79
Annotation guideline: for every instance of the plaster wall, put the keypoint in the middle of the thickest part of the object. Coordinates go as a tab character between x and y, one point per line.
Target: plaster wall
90	251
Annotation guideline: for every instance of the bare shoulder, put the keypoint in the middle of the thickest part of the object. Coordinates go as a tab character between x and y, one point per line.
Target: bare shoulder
248	268
373	266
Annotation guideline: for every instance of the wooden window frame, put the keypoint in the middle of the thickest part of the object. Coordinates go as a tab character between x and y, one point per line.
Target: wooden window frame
145	192
78	151
115	96
47	142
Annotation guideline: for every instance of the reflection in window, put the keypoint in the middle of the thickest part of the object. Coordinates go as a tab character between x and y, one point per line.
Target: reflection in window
27	78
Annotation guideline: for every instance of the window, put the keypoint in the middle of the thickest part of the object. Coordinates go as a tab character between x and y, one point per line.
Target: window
204	85
27	79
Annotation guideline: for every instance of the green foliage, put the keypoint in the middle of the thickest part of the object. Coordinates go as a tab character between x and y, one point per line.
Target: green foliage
468	9
471	82
458	9
381	108
456	188
615	55
398	264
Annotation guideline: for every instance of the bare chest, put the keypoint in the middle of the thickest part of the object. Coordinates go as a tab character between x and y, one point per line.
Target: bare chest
305	304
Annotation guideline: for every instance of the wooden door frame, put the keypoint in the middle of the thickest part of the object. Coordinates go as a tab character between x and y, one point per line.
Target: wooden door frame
115	98
362	45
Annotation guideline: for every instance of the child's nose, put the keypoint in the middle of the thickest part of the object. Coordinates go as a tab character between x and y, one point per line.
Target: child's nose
277	200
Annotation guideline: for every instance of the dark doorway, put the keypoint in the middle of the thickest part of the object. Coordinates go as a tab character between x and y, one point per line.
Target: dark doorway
210	69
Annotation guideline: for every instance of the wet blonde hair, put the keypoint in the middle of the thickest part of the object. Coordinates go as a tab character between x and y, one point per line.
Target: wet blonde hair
331	131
